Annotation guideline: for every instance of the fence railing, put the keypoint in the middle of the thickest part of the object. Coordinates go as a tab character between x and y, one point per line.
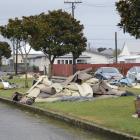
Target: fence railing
66	69
20	69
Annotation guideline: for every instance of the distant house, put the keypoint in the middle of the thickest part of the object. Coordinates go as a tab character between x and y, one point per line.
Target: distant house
87	57
9	64
40	61
4	61
20	60
43	63
129	54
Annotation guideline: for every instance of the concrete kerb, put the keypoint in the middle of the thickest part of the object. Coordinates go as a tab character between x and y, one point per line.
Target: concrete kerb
75	121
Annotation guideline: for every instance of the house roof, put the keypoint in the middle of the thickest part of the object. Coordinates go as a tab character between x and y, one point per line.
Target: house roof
36	56
86	54
70	56
125	51
64	56
95	52
108	52
123	58
132	48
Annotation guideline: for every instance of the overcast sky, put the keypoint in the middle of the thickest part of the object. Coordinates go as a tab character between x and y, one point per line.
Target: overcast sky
98	16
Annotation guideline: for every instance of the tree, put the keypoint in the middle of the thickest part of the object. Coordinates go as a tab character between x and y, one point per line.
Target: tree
101	49
129	11
76	41
16	32
55	34
12	31
5	50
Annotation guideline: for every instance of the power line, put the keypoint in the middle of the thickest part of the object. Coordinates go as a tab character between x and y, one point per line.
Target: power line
68	8
99	25
111	39
98	5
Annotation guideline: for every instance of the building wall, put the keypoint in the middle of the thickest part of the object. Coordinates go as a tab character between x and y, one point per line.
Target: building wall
90	58
129	59
87	57
62	60
4	61
40	62
138	60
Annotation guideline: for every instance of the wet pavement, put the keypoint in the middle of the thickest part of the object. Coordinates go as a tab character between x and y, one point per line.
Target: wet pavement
16	124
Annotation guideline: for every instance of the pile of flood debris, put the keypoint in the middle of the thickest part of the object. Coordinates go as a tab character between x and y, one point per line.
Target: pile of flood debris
6	85
80	86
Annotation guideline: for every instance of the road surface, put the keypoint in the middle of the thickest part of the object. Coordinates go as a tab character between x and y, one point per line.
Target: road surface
16	124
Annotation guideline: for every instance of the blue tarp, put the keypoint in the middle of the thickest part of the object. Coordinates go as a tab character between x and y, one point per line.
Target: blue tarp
122	82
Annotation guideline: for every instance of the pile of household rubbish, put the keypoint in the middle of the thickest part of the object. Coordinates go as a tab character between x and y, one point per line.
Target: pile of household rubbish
80	86
6	85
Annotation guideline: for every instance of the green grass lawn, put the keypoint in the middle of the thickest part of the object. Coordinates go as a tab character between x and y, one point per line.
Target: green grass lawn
113	113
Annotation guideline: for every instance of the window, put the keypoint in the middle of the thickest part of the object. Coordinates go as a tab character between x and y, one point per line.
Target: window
110	70
99	70
138	69
80	61
66	61
62	61
70	61
58	61
132	70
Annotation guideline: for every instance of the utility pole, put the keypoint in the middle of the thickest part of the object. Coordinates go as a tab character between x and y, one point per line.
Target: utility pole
73	5
13	45
116	50
73	8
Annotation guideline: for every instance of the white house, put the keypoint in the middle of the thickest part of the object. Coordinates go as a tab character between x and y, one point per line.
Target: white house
4	61
129	54
40	61
87	57
43	63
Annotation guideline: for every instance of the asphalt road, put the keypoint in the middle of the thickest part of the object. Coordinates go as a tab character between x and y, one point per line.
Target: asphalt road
16	124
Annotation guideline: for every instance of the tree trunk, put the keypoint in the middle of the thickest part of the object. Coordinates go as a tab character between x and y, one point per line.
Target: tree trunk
13	43
45	70
0	61
26	72
51	66
50	70
16	64
74	65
